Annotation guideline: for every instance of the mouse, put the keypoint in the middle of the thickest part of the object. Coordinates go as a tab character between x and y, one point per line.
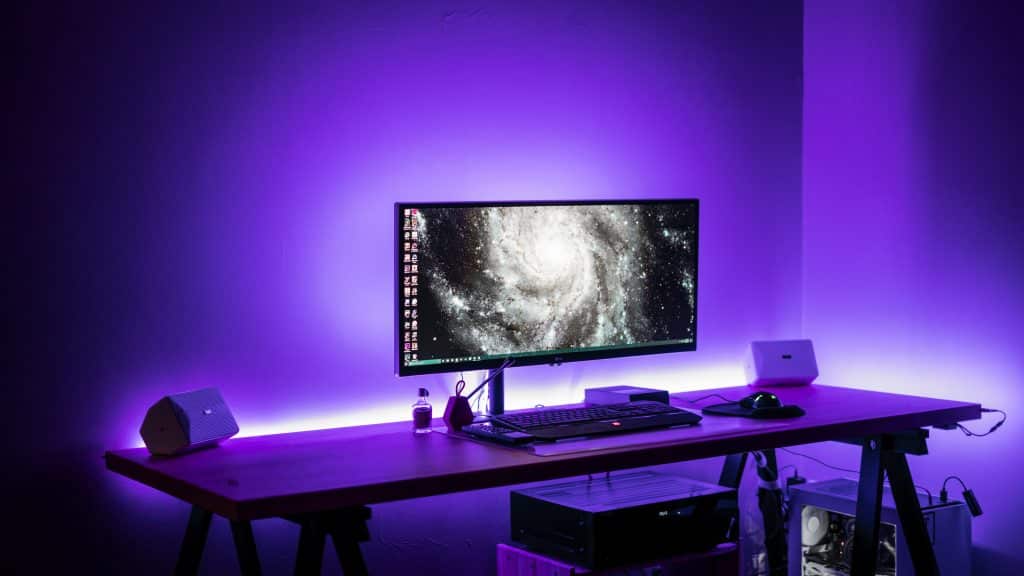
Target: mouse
761	400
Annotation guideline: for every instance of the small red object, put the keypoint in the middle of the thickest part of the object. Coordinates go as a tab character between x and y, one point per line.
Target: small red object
458	413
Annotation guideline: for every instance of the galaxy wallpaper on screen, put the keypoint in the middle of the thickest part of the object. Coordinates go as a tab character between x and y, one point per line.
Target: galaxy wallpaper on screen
506	280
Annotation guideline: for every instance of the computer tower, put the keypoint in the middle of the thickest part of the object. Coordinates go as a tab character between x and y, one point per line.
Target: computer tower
821	524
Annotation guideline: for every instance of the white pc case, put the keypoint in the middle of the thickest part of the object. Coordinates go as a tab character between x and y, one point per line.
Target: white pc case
821	524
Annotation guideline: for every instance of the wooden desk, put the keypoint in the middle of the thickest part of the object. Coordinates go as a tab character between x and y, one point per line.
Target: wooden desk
304	475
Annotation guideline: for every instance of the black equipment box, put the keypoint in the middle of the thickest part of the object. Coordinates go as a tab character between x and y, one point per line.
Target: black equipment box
617	394
623	519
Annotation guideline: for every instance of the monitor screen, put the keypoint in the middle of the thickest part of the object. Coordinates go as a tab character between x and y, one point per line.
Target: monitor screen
543	282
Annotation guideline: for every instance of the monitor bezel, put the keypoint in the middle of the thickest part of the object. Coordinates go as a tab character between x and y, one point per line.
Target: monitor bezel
552	359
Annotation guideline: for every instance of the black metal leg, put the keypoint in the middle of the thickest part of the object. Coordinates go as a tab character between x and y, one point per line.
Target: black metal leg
310	557
346	527
732	470
731	476
769	501
191	551
245	547
349	555
922	554
869	509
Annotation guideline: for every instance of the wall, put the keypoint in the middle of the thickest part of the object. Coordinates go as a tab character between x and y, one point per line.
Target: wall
912	238
207	197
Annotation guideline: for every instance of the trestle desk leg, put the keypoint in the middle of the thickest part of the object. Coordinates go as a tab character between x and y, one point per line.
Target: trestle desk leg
922	553
310	557
245	548
192	545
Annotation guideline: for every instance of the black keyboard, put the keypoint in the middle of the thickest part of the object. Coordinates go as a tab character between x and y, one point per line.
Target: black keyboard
560	423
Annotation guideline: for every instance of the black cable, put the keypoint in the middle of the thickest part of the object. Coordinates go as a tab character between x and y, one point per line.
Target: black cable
970	499
823	463
694	401
508	362
931	500
995	427
785	486
957	478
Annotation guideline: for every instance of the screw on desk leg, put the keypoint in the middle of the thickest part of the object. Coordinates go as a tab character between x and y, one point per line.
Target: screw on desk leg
869	510
309	559
245	547
191	551
922	554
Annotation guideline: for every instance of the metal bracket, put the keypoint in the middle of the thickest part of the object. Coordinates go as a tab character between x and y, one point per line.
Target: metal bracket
913	441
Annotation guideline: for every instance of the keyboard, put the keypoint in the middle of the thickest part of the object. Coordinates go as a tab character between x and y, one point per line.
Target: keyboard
561	423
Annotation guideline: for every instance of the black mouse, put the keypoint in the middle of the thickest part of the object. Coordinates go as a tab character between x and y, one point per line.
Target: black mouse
760	405
761	400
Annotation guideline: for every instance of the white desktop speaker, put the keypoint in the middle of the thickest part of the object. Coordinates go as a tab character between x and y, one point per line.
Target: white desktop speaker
182	422
780	363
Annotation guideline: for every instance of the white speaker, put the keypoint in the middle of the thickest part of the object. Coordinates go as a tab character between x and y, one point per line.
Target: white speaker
780	363
182	422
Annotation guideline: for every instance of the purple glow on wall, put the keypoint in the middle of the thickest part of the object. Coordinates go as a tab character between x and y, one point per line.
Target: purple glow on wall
291	235
912	249
224	218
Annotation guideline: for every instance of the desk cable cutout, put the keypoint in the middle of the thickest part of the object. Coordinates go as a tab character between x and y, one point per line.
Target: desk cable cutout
994	427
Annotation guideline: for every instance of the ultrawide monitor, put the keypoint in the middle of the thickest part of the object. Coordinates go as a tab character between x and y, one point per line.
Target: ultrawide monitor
543	282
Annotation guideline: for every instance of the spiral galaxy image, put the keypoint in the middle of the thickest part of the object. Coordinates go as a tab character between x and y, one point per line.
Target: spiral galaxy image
531	278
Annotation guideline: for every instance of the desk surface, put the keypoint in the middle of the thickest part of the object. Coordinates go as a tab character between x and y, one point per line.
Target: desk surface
286	474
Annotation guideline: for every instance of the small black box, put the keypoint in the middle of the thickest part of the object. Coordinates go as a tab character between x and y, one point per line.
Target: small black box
623	519
620	394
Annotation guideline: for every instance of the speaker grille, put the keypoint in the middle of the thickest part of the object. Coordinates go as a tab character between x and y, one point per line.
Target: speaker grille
204	415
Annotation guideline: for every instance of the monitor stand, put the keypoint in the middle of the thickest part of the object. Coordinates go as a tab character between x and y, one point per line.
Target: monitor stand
496	392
